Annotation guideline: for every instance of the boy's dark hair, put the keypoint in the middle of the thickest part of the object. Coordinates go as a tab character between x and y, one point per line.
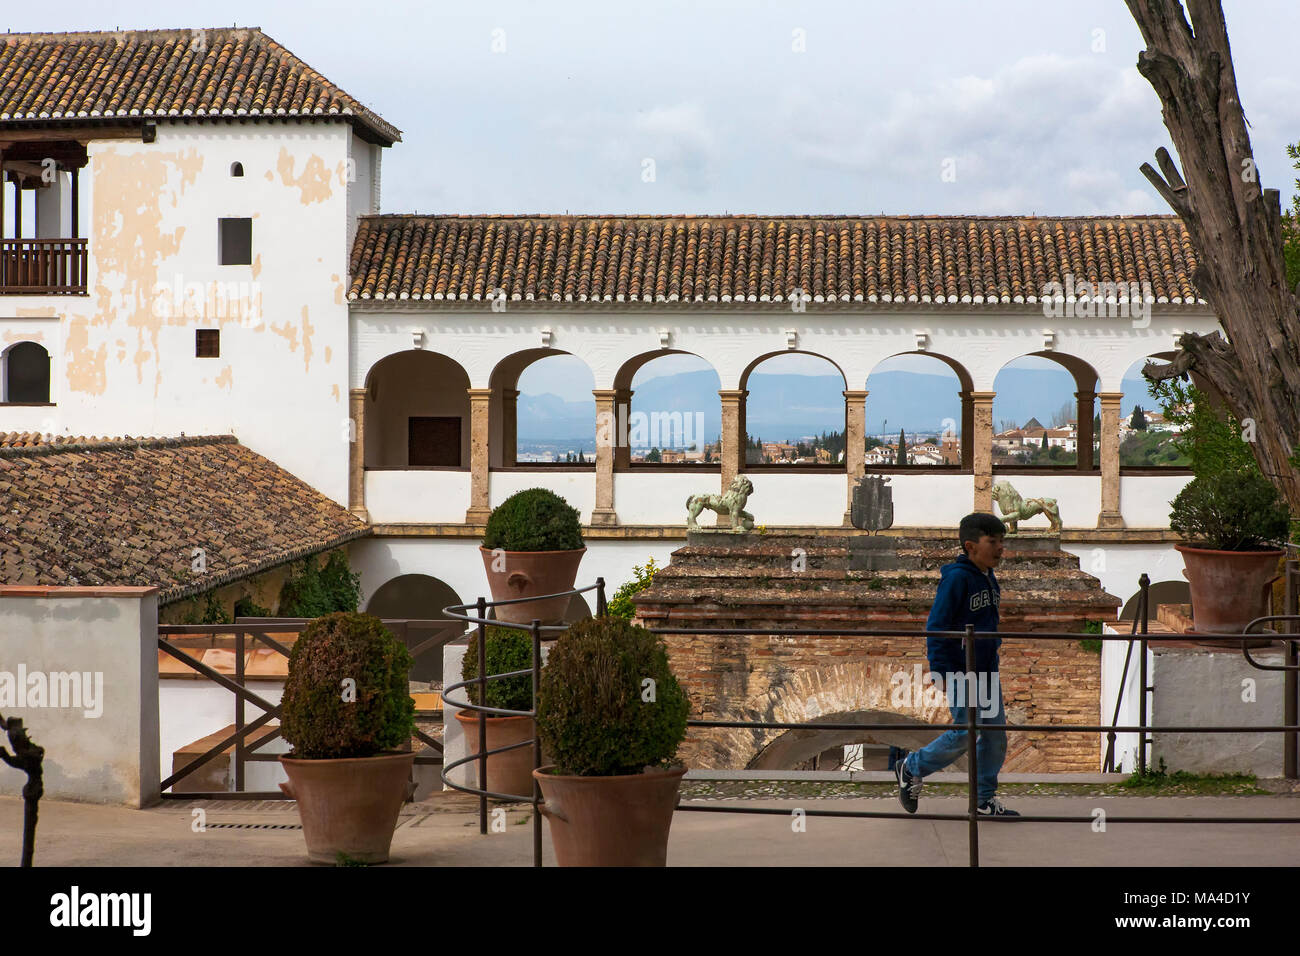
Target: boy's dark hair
973	526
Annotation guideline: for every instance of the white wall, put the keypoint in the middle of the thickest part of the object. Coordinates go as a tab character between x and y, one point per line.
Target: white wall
1144	501
125	352
189	710
1113	677
418	496
655	499
1078	497
578	488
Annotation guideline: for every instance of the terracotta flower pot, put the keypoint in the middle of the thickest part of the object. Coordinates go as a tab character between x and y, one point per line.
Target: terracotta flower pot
349	804
610	821
510	772
1229	589
526	573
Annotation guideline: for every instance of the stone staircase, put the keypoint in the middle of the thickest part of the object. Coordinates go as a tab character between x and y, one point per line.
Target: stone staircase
861	581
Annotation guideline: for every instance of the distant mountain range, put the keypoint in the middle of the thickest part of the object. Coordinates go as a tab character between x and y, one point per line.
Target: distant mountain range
783	407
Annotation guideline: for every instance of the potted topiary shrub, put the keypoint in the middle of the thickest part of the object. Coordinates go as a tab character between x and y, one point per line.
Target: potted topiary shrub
611	715
1230	519
532	545
348	713
506	650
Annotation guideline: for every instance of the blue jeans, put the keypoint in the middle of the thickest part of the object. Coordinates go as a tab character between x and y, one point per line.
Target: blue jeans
990	750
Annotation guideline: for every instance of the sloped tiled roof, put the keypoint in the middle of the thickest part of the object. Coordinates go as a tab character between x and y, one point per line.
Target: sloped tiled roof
762	259
131	512
33	439
221	72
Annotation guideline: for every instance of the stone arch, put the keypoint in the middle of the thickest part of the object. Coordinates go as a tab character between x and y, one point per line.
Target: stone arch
744	384
1086	409
672	421
875	691
417	412
964	424
417	597
1158	593
26	373
503	409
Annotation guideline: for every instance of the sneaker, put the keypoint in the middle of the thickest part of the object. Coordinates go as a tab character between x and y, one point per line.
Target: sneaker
909	786
994	808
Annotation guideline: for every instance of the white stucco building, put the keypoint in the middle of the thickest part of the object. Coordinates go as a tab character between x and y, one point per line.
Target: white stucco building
181	258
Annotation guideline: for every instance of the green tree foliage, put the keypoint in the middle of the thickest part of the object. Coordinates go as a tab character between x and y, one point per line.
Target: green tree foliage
620	605
653	455
1291	228
1138	420
902	449
535	519
311	590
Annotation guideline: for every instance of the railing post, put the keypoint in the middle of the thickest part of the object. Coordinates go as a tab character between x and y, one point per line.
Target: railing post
1291	692
482	717
537	744
972	770
1144	610
239	711
600	597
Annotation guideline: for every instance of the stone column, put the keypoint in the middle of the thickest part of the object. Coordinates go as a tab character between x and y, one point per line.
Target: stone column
732	450
968	428
623	408
1083	417
606	439
509	427
855	436
479	405
982	449
357	455
1110	515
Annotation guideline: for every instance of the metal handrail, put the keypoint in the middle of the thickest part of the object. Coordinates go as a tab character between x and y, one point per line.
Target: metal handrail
1138	635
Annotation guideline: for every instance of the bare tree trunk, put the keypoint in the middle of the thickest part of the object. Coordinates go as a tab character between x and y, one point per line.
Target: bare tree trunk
1236	232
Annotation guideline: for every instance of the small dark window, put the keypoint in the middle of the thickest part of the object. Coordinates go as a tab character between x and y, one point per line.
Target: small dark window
236	242
27	374
207	343
433	441
236	169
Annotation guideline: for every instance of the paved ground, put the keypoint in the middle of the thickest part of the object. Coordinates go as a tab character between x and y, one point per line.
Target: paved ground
443	831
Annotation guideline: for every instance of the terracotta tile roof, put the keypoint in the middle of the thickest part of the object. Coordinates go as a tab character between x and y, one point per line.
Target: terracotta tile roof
131	512
32	439
760	259
221	72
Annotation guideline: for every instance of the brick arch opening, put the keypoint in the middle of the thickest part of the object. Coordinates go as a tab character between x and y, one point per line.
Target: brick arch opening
879	691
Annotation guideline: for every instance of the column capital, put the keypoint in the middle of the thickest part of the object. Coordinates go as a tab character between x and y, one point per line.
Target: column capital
733	394
982	396
480	393
1115	397
357	392
605	394
510	394
856	394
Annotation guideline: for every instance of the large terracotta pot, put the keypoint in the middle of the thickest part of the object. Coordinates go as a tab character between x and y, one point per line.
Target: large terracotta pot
349	804
527	573
610	821
1229	589
510	772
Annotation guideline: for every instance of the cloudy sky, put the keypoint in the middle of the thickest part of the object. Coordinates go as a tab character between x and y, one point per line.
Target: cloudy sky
963	107
814	107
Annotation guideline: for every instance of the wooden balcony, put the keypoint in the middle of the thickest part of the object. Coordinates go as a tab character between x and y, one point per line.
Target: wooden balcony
42	266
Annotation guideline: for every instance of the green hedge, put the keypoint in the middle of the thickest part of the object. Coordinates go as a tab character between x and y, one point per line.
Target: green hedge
507	650
535	519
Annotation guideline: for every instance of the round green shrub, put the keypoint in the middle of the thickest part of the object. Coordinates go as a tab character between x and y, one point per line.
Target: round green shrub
1236	510
593	717
535	519
507	650
320	716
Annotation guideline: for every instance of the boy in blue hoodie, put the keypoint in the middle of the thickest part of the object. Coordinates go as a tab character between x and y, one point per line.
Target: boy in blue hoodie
968	594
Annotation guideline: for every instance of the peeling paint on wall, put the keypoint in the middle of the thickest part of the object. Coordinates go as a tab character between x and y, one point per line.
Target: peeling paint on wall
314	181
35	335
225	379
43	312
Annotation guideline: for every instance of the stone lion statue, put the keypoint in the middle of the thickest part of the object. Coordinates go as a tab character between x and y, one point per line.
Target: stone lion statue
732	503
1016	509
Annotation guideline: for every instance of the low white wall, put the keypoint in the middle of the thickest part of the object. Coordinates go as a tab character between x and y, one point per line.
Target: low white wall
189	710
1201	687
106	640
646	498
1119	566
1113	655
1144	499
796	499
926	501
578	488
417	496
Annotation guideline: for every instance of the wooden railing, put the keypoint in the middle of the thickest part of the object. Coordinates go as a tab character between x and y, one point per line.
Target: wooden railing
42	266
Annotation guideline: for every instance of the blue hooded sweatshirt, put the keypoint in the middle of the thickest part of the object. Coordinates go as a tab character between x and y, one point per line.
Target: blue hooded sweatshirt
966	595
